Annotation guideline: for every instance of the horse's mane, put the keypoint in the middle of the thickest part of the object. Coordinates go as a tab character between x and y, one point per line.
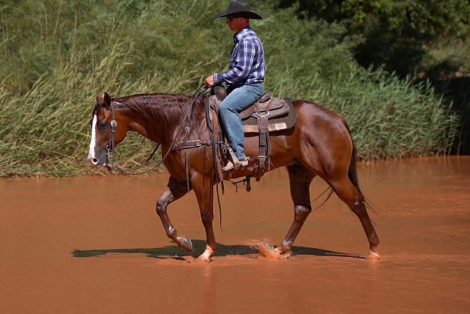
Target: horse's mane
165	111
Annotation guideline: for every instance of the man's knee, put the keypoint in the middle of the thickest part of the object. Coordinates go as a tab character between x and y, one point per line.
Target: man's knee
226	106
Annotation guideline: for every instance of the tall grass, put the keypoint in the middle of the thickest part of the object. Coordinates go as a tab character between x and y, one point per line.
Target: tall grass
55	55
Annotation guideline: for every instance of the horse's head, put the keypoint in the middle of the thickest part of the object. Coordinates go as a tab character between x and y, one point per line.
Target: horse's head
102	124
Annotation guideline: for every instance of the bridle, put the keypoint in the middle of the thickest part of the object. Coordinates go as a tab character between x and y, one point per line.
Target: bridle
174	146
110	151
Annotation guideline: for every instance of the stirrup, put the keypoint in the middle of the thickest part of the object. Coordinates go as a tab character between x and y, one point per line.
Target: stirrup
244	162
238	164
229	166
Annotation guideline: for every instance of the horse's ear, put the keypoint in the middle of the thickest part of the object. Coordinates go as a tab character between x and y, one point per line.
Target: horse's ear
107	100
99	98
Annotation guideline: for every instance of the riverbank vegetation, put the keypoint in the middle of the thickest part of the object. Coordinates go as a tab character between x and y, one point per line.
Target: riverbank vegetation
55	55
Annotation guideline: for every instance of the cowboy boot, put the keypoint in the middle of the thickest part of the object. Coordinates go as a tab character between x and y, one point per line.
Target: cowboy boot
230	165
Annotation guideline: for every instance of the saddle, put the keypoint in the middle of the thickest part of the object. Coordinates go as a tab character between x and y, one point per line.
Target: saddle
267	115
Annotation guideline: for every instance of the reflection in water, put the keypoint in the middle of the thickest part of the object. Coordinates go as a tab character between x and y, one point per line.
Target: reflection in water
95	245
209	291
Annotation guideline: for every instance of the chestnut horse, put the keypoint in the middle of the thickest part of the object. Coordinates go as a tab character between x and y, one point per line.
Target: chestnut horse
320	144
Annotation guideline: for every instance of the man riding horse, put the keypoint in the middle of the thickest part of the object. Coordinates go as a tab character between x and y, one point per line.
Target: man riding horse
318	144
245	76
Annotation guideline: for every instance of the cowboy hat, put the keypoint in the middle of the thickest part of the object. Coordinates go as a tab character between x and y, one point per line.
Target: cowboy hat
239	8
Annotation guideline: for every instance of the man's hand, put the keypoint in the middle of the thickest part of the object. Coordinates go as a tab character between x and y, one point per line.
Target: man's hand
209	82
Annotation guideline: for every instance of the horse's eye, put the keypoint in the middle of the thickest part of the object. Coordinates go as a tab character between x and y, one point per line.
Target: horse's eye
103	125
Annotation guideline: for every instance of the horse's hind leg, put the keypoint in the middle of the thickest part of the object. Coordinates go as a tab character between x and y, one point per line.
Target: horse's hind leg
173	191
300	179
348	193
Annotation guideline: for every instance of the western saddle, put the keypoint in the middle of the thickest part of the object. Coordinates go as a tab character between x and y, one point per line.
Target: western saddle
267	115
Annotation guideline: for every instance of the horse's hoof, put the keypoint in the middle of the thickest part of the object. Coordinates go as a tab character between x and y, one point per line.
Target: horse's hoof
205	259
282	253
373	256
186	244
286	255
206	256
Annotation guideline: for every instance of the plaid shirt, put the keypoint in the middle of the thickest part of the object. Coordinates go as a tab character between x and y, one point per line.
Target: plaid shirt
246	62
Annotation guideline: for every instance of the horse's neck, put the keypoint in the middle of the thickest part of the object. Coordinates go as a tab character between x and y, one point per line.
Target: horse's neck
139	125
157	120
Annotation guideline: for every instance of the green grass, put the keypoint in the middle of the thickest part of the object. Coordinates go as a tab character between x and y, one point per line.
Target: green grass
55	55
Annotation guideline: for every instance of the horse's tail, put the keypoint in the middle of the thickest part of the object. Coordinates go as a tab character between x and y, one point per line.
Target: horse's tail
352	172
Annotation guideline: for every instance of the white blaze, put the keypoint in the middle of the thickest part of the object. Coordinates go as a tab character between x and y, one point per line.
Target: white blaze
91	153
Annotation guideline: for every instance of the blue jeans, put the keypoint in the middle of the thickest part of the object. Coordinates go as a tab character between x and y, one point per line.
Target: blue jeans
239	99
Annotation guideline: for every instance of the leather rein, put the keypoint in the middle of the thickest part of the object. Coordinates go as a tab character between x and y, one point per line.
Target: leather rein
184	145
110	151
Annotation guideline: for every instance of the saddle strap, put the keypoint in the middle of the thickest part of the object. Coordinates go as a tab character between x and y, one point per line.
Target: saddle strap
264	146
191	144
215	130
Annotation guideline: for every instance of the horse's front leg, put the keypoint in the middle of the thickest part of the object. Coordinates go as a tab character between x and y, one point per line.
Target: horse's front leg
173	191
203	190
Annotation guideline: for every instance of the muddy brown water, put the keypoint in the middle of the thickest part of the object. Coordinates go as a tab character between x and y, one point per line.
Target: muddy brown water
95	245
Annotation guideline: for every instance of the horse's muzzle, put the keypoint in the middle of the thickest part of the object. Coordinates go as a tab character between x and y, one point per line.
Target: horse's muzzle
96	162
93	161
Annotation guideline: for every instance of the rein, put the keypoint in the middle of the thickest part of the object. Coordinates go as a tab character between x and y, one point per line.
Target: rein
185	145
111	145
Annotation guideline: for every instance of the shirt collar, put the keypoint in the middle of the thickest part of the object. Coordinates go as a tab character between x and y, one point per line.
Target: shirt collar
238	36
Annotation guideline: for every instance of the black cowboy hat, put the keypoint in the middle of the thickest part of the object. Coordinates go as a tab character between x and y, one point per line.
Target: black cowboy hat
239	8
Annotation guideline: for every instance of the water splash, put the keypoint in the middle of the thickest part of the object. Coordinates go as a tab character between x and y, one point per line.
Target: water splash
267	249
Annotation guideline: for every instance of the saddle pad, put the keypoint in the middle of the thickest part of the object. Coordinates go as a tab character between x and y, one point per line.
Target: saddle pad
250	125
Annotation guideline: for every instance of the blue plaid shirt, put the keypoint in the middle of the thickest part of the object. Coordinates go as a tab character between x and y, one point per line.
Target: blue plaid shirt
246	62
